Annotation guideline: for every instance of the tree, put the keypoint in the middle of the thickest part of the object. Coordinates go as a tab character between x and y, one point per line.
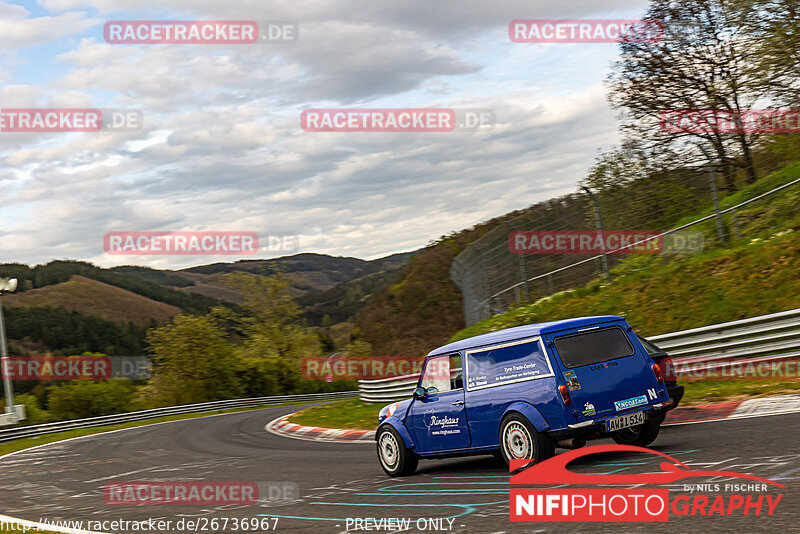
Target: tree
703	62
776	24
85	398
270	325
192	362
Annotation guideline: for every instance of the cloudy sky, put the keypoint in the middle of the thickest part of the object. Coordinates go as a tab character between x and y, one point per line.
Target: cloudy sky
222	148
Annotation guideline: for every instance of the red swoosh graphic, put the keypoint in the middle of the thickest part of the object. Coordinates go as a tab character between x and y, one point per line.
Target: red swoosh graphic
554	470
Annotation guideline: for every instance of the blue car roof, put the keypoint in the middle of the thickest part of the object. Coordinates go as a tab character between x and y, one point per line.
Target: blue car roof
519	332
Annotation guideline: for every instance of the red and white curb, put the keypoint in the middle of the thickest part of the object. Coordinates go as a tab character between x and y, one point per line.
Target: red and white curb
759	407
282	427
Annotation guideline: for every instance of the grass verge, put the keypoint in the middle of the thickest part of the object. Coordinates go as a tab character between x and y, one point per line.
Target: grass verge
355	414
709	392
351	414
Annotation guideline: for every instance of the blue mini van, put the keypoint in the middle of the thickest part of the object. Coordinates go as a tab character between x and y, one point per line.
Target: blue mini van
522	391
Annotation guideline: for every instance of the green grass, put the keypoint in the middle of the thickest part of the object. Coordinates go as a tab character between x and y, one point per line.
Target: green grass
665	296
25	443
355	414
351	414
751	276
707	392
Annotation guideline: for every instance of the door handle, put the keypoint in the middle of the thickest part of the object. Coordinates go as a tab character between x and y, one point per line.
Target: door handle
458	403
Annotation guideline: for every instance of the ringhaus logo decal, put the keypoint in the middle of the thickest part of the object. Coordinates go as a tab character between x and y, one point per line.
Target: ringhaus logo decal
639	504
441	425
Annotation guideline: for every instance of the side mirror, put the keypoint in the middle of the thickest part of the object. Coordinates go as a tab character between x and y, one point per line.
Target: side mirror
420	392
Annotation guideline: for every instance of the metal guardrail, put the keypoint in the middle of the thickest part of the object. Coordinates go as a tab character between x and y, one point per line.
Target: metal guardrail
387	389
763	339
48	428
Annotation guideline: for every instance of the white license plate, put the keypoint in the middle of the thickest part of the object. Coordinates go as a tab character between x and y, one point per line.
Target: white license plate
624	421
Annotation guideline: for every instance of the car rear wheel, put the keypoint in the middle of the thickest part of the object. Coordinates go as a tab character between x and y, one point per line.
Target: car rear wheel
396	460
519	440
641	435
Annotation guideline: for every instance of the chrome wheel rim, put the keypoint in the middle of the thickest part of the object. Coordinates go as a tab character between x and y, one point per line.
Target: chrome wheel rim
389	450
517	441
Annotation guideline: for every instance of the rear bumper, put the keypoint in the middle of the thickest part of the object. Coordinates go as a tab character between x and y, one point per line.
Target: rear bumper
596	428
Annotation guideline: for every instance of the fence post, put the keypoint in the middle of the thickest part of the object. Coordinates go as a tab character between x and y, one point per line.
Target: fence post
598	221
522	271
712	182
735	222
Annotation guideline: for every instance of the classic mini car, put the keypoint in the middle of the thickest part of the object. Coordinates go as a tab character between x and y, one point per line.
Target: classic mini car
523	391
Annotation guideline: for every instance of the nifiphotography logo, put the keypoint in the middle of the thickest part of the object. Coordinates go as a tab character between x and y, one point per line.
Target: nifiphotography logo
637	504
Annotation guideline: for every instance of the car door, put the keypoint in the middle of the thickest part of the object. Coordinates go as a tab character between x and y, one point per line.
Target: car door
439	419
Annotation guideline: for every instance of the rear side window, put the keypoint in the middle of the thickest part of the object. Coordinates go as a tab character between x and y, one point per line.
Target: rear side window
506	363
594	346
649	347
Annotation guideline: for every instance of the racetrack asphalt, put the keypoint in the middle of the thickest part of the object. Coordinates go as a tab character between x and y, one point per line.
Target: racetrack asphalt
327	483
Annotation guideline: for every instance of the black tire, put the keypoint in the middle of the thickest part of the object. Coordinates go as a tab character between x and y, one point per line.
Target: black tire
520	440
640	435
395	459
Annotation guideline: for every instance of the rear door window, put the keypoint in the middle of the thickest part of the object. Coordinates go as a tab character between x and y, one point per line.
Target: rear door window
594	346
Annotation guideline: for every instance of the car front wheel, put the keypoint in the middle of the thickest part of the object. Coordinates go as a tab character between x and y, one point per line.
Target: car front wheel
519	440
396	460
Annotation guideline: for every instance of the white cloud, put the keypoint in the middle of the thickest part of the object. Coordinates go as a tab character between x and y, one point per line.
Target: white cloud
221	147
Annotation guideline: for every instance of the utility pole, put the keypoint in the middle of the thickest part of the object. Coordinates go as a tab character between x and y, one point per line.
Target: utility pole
598	221
6	285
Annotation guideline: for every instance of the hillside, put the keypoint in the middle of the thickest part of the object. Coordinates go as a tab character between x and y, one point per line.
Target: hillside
424	308
755	275
343	301
90	297
322	285
308	273
79	293
718	286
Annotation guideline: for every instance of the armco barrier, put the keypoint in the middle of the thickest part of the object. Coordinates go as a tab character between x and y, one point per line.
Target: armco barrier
766	338
387	389
775	335
38	430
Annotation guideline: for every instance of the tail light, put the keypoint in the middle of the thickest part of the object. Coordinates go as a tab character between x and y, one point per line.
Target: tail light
564	394
657	372
669	370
